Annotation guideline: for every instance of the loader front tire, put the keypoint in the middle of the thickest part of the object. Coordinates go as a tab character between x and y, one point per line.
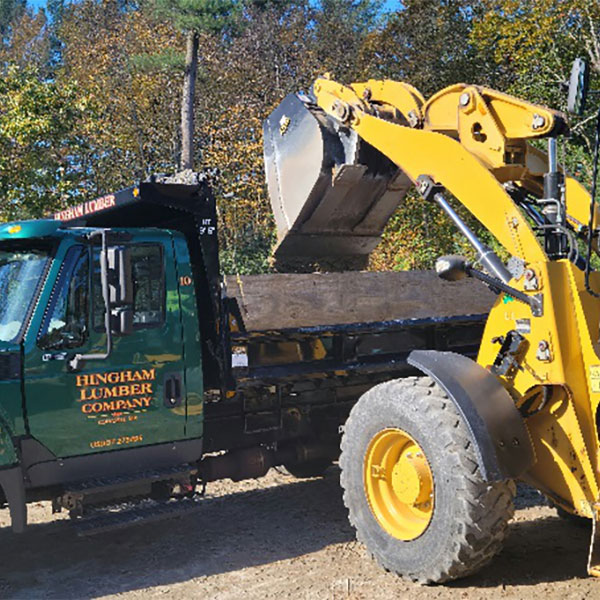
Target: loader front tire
413	487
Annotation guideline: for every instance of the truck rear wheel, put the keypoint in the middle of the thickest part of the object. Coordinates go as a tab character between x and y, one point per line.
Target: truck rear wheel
412	484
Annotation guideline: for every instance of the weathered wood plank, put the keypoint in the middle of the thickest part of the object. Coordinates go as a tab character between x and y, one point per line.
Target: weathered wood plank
284	300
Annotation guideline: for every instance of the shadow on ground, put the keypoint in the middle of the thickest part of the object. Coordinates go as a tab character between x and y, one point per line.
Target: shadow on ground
225	534
546	549
241	530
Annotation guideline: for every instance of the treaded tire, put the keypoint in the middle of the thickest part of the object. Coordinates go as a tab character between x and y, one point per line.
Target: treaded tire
470	517
311	468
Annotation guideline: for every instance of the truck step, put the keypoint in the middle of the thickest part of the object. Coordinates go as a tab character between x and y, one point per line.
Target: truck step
146	513
101	485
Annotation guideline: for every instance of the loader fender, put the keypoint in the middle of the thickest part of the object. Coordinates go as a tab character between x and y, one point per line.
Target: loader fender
502	443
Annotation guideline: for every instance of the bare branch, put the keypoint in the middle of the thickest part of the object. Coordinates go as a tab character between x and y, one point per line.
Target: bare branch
582	123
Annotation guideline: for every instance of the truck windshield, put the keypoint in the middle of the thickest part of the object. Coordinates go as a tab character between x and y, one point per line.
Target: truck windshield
20	274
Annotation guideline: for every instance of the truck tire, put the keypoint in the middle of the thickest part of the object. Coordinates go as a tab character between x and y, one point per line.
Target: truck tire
413	488
310	468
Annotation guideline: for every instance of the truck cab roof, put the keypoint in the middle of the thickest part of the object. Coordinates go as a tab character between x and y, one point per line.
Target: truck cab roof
22	230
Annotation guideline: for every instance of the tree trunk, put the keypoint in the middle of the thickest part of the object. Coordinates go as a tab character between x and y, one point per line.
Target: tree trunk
187	101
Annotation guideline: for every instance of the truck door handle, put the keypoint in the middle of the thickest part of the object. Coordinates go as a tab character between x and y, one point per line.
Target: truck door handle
57	356
173	390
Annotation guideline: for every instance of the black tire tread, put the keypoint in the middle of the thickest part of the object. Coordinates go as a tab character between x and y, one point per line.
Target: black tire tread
486	508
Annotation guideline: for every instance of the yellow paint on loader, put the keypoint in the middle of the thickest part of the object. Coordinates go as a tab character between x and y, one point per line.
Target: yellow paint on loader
399	484
472	141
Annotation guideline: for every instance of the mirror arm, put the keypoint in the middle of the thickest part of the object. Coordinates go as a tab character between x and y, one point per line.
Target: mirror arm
76	362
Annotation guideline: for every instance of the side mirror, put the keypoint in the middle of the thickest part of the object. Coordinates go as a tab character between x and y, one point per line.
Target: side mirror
578	86
117	292
120	280
452	267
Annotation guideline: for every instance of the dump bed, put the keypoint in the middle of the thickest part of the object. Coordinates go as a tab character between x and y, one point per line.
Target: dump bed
344	326
349	325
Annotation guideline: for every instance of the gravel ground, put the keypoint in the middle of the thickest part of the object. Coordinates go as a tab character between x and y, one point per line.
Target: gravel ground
277	537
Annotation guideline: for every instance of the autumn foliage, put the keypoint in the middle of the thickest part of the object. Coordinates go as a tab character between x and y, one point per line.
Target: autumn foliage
90	95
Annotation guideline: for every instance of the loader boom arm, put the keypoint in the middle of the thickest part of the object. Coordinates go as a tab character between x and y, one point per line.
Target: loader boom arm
364	145
447	161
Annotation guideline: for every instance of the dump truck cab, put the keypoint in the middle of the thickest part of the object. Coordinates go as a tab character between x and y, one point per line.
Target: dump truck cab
69	387
86	397
112	397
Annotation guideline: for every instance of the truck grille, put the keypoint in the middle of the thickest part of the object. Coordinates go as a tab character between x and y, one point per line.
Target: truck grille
10	365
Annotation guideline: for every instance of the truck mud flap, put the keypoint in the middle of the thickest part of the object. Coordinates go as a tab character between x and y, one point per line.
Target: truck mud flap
502	442
11	481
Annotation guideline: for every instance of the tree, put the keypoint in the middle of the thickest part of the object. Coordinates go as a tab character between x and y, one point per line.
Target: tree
130	127
195	17
426	43
341	28
10	10
533	43
40	169
23	35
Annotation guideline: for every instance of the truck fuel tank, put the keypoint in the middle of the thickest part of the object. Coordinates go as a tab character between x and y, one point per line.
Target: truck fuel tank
331	192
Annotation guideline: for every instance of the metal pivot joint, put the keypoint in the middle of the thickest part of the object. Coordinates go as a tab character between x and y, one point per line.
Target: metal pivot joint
535	301
486	256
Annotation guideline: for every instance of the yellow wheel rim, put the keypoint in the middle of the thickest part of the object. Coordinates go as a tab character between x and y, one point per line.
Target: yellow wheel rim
398	484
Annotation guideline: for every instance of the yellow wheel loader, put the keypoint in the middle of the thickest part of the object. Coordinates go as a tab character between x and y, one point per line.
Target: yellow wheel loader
429	462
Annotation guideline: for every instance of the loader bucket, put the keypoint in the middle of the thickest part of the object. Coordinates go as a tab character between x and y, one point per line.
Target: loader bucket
331	193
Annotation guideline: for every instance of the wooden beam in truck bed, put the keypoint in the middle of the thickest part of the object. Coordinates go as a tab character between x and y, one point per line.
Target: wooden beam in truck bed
278	301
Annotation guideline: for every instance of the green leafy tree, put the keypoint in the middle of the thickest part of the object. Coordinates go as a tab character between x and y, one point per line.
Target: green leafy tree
426	43
23	35
131	128
39	147
532	45
340	30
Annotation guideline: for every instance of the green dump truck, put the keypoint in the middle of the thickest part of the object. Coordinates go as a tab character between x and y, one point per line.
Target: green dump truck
130	367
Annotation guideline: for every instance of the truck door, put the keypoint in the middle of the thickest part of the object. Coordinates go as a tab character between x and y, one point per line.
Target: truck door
136	397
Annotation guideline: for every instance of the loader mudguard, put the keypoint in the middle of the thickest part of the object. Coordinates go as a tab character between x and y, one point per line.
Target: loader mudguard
503	446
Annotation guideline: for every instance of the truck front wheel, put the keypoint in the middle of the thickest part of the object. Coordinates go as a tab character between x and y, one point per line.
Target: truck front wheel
412	484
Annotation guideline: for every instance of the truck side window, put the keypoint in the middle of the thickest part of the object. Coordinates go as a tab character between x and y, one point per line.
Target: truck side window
65	324
148	287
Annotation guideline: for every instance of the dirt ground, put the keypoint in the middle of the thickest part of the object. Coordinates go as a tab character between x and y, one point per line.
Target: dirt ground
275	538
